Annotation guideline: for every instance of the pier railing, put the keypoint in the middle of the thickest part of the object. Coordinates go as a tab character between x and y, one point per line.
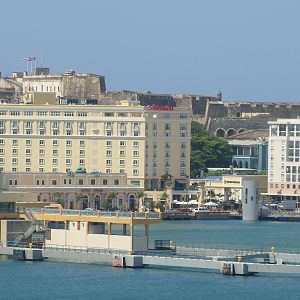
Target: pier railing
96	213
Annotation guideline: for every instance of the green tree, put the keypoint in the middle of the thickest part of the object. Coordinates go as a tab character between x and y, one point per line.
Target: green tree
111	198
59	197
141	195
208	151
159	205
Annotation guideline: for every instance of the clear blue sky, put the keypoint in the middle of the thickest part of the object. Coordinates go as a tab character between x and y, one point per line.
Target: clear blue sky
249	49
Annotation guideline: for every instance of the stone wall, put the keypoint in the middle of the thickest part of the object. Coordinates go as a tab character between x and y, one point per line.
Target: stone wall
86	86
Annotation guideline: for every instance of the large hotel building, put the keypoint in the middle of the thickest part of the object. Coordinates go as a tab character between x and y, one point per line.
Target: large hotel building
144	144
284	161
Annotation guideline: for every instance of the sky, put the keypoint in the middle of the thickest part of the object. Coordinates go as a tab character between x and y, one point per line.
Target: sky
248	49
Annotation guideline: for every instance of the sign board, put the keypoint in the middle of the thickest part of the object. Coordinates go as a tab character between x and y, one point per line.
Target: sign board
118	261
160	107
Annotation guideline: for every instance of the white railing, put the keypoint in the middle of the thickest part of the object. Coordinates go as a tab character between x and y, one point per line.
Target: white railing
96	213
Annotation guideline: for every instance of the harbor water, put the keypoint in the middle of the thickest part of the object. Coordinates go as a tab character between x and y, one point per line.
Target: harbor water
53	280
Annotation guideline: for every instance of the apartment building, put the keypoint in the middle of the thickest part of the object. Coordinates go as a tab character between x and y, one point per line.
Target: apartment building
149	144
284	162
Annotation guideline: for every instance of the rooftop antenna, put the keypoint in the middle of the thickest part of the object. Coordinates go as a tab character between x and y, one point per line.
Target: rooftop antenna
30	64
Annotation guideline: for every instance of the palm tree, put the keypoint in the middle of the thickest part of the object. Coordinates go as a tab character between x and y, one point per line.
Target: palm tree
164	197
141	195
112	199
59	197
79	197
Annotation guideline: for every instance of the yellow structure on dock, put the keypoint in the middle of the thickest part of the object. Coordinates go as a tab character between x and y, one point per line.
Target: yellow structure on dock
66	228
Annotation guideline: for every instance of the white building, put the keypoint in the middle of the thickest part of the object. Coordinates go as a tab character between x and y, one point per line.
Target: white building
284	162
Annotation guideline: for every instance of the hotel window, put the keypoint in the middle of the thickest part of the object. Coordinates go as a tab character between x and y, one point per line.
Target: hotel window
1	160
68	125
28	142
55	113
68	143
108	153
108	133
108	162
28	132
122	143
122	153
135	172
41	152
69	132
53	182
28	161
1	151
122	171
54	170
81	161
55	142
28	125
1	142
93	181
135	162
69	114
14	161
135	144
135	153
154	172
14	169
116	182
28	170
68	161
108	143
80	181
42	142
42	113
54	152
41	161
108	171
14	151
82	114
104	182
41	125
81	152
54	161
68	152
122	162
81	125
182	172
81	143
15	142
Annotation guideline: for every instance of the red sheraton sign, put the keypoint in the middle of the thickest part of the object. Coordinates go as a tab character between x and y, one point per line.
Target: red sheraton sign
160	107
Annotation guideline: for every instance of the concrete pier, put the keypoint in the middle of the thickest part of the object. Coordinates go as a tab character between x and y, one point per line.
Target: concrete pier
269	262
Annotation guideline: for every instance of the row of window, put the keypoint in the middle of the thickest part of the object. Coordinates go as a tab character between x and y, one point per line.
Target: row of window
135	144
135	172
68	181
68	161
167	172
282	186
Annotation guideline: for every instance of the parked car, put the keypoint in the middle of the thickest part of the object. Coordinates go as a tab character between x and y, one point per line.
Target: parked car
200	209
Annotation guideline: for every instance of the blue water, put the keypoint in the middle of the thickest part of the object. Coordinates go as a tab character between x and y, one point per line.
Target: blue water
51	280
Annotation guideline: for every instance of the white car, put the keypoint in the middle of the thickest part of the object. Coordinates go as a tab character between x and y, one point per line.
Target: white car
200	209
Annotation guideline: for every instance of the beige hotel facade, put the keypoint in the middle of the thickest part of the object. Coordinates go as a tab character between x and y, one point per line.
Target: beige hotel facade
284	161
144	143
